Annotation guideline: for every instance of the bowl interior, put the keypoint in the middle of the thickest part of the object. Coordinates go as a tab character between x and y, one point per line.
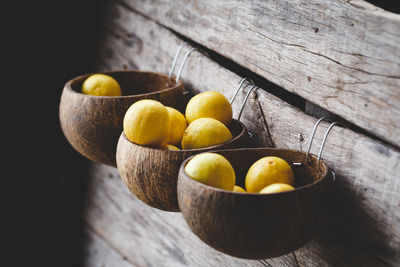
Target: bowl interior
132	82
305	174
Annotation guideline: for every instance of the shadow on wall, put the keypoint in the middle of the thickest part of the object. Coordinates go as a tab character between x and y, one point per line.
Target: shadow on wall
361	242
388	5
43	179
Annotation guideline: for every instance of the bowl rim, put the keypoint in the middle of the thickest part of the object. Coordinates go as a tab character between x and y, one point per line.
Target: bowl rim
68	86
242	132
182	173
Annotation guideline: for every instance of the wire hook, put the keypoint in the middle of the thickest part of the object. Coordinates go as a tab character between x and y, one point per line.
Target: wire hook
312	136
325	137
240	86
244	102
171	71
333	175
185	58
323	140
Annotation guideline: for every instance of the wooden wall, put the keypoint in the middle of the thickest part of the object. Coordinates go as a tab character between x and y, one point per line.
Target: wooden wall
343	56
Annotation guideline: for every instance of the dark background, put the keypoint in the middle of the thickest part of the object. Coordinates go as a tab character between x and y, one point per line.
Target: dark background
43	180
42	184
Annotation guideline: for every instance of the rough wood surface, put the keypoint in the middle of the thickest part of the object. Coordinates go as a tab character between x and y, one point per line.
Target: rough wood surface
151	174
95	134
364	226
365	221
143	235
341	55
99	253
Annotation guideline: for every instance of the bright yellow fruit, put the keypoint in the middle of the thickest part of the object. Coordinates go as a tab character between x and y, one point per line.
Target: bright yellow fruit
169	147
209	104
212	169
238	189
205	132
266	171
101	85
147	122
276	188
177	127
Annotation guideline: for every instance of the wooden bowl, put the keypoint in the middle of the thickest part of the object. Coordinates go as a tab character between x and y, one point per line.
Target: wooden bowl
93	124
151	173
256	226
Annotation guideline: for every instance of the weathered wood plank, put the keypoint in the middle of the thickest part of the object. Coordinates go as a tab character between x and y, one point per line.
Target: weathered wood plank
132	41
143	235
364	225
99	253
366	208
341	55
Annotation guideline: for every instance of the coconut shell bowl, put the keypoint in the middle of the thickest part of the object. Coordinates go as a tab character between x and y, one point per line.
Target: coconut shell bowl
151	173
93	124
259	226
251	225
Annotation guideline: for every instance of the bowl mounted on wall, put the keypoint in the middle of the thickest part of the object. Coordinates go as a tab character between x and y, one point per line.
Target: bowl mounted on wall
93	124
252	225
151	173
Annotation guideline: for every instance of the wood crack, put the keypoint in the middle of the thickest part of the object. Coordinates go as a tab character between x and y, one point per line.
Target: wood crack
275	41
271	142
353	68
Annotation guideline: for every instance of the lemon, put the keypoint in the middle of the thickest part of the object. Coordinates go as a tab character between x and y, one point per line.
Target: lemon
238	189
169	147
177	127
266	171
276	188
101	85
209	104
205	132
147	122
211	169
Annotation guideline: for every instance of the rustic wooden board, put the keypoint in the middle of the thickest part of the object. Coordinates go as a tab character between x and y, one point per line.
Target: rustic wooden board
363	228
341	55
143	235
99	253
366	209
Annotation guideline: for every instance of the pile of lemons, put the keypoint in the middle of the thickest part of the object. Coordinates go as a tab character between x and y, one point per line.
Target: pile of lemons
266	175
207	115
148	122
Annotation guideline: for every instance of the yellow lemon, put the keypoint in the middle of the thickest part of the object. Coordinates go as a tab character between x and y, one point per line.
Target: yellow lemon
238	189
266	171
209	104
211	169
101	85
147	122
276	188
205	132
169	147
177	127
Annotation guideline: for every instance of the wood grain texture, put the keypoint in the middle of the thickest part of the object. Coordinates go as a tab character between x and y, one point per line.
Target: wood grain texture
151	174
130	41
93	124
257	226
366	210
99	253
364	224
143	235
341	55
